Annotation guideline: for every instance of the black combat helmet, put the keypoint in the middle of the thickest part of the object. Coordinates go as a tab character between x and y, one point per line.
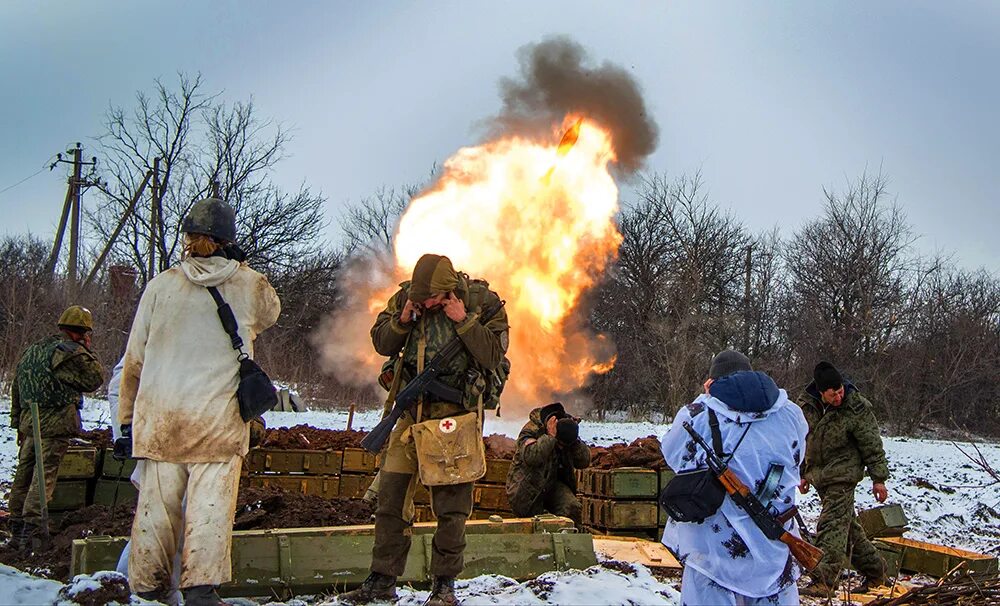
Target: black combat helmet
211	217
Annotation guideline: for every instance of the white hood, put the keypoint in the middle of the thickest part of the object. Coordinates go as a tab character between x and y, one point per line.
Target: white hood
209	271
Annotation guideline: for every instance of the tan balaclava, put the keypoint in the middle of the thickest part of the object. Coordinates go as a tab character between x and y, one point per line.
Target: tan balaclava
433	274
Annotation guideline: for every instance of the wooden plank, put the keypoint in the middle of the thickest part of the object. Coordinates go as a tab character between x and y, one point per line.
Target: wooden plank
636	550
496	471
69	495
312	462
620	483
79	463
104	492
323	486
608	513
110	468
358	460
935	560
883	521
353	486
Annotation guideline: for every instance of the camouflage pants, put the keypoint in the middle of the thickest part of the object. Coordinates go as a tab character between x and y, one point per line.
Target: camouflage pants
24	502
452	506
560	500
839	535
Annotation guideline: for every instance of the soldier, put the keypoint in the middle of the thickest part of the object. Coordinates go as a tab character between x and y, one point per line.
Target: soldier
760	432
423	316
179	411
843	442
543	475
52	375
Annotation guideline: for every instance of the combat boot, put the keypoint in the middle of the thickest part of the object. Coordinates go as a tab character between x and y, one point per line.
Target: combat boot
818	589
201	595
33	538
442	593
376	588
868	583
14	526
160	596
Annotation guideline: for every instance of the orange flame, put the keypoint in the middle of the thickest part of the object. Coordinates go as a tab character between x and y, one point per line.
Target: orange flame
540	233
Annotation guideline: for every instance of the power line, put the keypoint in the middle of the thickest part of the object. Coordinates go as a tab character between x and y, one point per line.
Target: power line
10	187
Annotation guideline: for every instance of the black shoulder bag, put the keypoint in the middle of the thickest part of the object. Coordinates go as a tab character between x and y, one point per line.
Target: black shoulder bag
256	394
692	496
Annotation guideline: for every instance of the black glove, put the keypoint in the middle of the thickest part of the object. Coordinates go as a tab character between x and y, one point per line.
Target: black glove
567	430
123	445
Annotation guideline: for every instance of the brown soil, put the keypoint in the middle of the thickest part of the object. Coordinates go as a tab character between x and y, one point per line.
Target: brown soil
101	438
642	452
312	438
499	446
256	508
113	589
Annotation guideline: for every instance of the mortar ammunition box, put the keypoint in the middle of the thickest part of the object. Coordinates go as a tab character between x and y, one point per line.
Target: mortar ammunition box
354	486
883	521
312	462
358	460
620	483
110	468
613	514
105	488
79	463
935	560
496	471
323	486
69	495
490	497
666	474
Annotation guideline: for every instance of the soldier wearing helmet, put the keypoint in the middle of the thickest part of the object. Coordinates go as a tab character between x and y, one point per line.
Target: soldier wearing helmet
52	374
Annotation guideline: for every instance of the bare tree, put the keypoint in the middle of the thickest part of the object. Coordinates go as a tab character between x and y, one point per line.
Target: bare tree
368	226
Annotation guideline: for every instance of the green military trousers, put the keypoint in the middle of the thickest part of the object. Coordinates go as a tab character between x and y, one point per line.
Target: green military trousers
558	500
452	506
841	537
24	502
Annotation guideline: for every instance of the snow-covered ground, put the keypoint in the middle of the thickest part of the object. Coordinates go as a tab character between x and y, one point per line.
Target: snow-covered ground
947	499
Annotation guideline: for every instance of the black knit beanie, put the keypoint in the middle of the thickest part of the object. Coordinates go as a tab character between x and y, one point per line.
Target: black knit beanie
727	362
827	377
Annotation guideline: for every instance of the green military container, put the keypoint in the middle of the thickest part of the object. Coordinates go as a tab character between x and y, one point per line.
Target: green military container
620	483
313	560
109	491
110	468
69	495
935	560
884	521
490	497
322	486
613	514
354	486
496	471
79	463
358	460
666	474
313	462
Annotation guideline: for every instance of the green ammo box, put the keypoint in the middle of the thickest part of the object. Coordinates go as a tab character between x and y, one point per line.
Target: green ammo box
69	495
79	463
883	521
496	471
358	460
612	514
354	486
105	488
935	560
490	497
110	468
620	483
313	462
323	486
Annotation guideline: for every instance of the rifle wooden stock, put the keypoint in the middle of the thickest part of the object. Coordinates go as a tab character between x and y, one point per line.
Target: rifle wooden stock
807	554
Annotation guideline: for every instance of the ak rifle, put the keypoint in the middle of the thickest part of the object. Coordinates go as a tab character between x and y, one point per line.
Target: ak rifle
807	555
425	382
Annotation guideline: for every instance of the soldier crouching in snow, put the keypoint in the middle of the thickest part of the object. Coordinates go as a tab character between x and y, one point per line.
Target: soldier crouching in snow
843	441
542	477
726	557
178	408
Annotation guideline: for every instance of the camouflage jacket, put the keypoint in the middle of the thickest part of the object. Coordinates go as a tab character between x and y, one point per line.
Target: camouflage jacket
539	462
843	441
53	373
484	345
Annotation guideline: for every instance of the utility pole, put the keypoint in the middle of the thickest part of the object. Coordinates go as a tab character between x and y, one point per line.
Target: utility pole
72	211
154	219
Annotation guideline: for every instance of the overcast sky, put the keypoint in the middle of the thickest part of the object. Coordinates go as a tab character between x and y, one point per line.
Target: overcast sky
771	101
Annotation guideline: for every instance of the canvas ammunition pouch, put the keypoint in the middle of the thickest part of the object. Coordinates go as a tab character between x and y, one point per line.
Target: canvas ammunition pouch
450	450
693	496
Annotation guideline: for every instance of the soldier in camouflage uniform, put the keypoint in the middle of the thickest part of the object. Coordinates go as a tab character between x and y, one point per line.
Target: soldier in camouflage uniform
437	304
843	442
542	477
52	375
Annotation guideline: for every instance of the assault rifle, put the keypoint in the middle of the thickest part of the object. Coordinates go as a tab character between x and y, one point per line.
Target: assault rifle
425	382
807	555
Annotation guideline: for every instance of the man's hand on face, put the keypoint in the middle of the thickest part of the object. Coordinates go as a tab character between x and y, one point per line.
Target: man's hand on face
550	425
410	313
454	308
880	491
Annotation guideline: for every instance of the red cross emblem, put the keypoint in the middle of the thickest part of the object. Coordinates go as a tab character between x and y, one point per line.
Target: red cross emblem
446	426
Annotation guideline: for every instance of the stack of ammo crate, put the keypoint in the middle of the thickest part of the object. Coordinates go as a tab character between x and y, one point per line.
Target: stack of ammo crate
326	473
489	495
90	476
622	501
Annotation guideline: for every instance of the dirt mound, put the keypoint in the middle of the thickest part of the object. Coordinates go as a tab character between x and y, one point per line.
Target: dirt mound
312	438
101	438
499	446
102	588
275	508
642	452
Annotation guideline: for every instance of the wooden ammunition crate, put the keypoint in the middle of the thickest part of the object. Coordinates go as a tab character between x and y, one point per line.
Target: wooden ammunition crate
422	496
496	471
613	514
69	495
110	468
423	513
313	462
104	492
323	486
666	474
621	483
490	497
358	460
649	534
935	560
883	521
354	486
79	463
